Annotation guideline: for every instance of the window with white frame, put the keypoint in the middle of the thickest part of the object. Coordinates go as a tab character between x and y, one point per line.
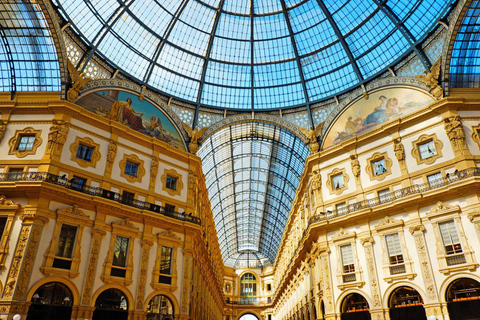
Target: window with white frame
394	248
347	259
450	238
427	149
337	181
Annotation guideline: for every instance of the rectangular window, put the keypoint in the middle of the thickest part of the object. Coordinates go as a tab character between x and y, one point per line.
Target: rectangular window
84	152
394	249
384	196
26	143
15	174
427	149
435	180
171	183
379	167
451	240
3	222
131	168
78	182
166	265
120	252
166	261
269	287
347	259
337	181
66	241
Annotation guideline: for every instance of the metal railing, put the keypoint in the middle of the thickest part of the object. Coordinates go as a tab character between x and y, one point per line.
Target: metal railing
398	194
250	301
97	192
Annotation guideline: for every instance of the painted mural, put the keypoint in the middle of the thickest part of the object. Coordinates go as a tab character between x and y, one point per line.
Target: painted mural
381	107
127	109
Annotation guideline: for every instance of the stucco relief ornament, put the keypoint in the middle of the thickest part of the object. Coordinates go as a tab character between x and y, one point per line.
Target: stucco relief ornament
399	150
454	128
312	135
194	135
112	152
79	80
3	128
431	79
355	165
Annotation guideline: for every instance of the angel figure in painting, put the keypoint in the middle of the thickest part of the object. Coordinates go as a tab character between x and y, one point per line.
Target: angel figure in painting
194	135
431	79
312	135
79	80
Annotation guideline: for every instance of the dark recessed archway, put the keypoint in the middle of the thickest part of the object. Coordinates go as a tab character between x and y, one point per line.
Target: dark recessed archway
463	299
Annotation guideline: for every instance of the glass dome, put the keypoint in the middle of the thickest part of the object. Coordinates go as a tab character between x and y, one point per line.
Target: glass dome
257	54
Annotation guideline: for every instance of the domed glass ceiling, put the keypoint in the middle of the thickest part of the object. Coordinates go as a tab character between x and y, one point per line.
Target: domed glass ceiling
255	54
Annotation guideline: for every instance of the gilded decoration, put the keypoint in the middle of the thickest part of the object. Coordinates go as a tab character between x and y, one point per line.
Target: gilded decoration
15	140
112	152
179	184
455	132
168	239
97	236
78	81
88	142
57	135
372	272
430	78
475	134
9	210
424	138
142	279
140	170
379	171
3	128
194	135
312	136
337	189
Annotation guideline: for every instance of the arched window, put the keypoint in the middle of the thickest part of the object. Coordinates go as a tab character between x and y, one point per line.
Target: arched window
160	308
248	288
355	306
406	303
463	299
111	304
52	301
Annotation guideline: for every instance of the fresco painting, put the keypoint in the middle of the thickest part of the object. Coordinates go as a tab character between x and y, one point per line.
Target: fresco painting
127	109
381	107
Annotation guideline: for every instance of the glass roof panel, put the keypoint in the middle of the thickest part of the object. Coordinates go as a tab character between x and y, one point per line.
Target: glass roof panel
28	57
204	34
251	182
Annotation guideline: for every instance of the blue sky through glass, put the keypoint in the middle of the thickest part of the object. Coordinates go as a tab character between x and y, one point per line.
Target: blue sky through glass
251	61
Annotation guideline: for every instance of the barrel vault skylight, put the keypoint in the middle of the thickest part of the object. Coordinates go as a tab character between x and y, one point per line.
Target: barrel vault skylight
252	172
252	54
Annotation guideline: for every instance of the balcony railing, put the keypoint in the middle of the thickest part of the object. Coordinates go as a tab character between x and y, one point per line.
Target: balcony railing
398	194
97	192
250	301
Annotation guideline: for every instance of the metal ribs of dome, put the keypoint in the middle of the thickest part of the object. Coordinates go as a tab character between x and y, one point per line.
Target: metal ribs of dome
252	171
256	54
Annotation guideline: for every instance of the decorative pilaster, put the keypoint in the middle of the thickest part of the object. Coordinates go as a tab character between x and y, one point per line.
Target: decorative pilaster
417	232
187	259
377	311
142	278
327	283
21	268
97	236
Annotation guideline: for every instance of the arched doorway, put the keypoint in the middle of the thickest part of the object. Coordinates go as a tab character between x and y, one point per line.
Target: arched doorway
355	307
248	316
160	307
111	304
248	289
52	301
406	303
463	299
